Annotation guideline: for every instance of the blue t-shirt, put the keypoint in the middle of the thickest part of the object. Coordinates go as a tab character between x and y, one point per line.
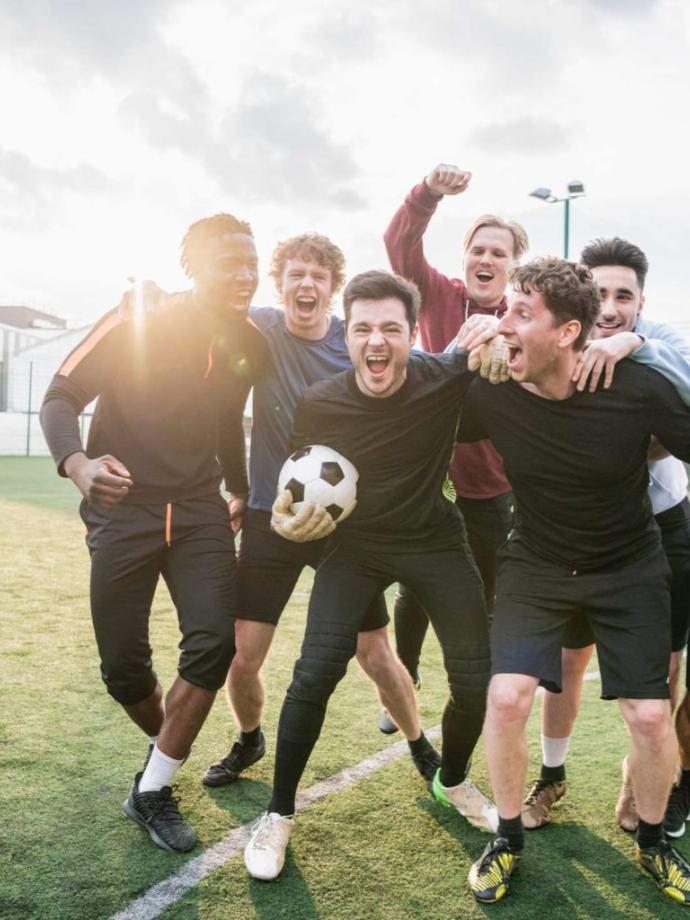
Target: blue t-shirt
297	364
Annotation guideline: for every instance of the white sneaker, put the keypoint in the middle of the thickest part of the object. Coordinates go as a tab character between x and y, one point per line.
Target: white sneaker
469	801
264	855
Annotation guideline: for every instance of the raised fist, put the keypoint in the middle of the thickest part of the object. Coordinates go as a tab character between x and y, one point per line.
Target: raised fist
446	179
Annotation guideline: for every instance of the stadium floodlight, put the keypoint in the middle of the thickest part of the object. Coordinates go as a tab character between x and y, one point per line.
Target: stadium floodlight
544	194
576	189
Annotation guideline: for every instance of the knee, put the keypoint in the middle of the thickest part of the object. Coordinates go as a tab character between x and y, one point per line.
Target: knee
314	680
468	677
509	701
648	720
246	663
206	656
376	657
129	682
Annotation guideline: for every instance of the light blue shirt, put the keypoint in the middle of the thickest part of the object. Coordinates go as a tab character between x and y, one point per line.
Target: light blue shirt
669	354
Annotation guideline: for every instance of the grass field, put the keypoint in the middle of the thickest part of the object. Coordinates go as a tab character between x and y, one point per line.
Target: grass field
380	850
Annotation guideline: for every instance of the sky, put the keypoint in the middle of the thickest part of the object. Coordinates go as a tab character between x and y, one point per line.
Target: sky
124	121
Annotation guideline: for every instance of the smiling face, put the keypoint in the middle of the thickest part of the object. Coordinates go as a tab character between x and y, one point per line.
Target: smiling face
487	264
379	340
306	288
538	347
621	299
228	278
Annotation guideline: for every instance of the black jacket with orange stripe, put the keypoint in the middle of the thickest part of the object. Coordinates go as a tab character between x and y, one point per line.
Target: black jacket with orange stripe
171	388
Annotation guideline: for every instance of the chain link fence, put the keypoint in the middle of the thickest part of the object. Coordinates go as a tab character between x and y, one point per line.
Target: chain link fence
20	429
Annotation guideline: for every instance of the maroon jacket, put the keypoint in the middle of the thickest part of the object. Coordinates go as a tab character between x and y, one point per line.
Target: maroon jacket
476	469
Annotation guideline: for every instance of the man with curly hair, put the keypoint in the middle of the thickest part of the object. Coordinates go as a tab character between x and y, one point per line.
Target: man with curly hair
584	547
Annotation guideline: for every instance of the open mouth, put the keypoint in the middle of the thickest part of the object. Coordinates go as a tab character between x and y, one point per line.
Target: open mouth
484	276
513	355
305	305
241	296
377	364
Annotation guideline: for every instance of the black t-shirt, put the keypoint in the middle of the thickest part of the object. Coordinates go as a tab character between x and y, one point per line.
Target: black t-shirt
401	445
171	390
578	466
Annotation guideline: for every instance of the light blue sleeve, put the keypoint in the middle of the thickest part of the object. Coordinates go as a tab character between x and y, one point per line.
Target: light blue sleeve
666	352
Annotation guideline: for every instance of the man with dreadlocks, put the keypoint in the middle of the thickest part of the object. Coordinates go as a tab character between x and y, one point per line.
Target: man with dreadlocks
167	427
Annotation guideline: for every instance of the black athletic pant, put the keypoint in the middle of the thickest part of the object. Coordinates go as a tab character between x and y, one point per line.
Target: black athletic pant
445	578
189	543
488	522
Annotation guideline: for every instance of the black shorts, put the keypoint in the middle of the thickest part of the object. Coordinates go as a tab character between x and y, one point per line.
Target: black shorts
189	543
627	610
675	538
269	566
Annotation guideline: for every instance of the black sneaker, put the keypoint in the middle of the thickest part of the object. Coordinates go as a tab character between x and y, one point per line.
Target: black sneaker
676	812
157	813
427	762
668	869
489	876
229	768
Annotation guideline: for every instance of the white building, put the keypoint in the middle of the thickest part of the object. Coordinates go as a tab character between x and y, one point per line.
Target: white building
34	344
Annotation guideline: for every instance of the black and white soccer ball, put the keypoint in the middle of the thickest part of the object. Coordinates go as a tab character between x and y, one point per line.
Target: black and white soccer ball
320	475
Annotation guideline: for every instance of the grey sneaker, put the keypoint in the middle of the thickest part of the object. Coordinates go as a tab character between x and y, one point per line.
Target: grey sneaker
386	724
158	814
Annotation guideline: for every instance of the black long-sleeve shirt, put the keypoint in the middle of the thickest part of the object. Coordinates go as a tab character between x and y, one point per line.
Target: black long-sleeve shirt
400	445
171	390
578	466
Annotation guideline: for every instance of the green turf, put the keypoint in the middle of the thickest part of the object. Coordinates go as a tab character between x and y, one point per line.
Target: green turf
33	480
381	850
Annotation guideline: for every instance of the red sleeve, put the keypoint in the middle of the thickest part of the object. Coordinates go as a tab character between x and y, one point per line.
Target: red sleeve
443	298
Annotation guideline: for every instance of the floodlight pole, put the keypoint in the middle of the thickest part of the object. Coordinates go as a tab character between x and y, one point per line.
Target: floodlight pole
575	190
566	227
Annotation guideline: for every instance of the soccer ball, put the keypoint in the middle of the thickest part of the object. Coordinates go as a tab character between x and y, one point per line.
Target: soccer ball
320	475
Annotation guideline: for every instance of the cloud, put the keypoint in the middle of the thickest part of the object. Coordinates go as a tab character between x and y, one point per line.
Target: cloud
30	191
97	35
522	135
273	143
71	43
501	41
270	146
182	127
624	7
345	34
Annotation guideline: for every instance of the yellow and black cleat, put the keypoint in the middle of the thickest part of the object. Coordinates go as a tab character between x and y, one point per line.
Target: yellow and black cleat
489	876
668	869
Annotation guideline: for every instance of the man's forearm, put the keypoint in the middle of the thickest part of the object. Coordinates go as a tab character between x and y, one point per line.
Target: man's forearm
60	424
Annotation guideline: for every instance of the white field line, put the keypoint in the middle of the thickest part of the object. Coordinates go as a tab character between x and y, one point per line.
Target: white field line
161	896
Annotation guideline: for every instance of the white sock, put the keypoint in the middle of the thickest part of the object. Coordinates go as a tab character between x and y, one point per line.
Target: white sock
152	739
159	771
554	750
